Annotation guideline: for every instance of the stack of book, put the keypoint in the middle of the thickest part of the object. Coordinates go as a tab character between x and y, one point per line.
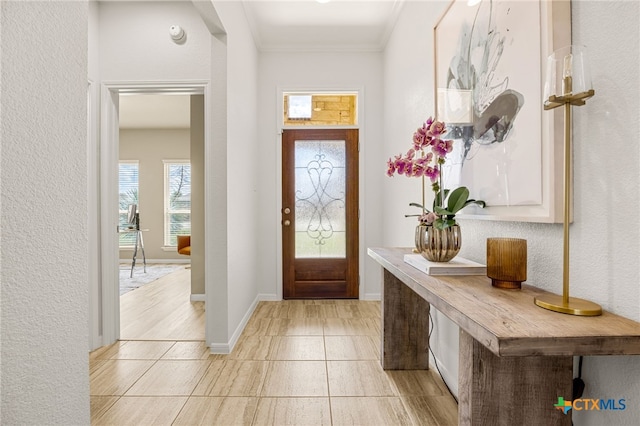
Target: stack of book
456	266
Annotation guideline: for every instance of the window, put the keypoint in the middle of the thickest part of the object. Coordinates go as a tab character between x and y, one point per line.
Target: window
128	194
320	109
177	201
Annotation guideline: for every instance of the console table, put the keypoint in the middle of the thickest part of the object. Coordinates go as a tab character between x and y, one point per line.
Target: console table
515	358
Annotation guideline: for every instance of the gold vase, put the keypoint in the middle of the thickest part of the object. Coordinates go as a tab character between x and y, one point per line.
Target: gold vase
438	245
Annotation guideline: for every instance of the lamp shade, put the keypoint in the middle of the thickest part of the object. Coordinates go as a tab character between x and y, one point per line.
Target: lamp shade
455	106
567	72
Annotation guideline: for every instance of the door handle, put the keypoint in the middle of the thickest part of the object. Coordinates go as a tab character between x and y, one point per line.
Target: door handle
287	222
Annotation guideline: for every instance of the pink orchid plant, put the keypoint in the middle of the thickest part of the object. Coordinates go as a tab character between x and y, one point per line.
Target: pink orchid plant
425	159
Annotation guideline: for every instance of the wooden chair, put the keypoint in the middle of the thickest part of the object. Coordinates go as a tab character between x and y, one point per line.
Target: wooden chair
184	245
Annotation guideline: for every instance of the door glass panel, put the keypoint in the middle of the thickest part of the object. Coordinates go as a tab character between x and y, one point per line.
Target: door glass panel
320	224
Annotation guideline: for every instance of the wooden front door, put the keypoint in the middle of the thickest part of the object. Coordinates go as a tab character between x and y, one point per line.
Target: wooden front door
320	213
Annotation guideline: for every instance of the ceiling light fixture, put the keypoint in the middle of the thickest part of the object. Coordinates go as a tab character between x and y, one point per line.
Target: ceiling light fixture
473	2
323	1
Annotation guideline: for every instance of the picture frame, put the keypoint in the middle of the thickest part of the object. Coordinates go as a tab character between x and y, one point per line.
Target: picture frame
508	150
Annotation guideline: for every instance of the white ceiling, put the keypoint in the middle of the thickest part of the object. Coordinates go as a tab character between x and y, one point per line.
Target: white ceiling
339	25
281	25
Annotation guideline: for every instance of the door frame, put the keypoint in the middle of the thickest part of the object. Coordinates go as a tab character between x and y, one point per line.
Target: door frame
109	157
281	90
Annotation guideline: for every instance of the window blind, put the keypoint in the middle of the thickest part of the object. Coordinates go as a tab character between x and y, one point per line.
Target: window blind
177	201
128	194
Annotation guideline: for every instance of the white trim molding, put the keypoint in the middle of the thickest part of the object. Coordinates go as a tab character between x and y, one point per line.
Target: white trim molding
109	158
197	297
226	348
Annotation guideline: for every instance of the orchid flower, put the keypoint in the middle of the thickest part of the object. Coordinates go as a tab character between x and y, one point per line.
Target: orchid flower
446	203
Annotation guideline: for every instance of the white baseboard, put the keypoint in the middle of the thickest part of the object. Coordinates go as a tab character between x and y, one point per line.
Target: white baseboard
243	323
226	348
371	296
268	298
197	297
446	375
219	348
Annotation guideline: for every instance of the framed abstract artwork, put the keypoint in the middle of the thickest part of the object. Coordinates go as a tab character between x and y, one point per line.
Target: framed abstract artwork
490	62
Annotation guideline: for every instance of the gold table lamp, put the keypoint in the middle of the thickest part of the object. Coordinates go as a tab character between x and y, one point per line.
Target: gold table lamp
568	83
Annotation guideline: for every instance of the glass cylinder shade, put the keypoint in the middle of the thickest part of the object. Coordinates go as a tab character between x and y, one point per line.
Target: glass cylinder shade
567	72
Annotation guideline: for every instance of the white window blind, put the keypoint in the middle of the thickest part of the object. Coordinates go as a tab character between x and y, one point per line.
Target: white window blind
177	201
128	194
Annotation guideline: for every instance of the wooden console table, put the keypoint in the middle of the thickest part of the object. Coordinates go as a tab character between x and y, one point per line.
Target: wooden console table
515	358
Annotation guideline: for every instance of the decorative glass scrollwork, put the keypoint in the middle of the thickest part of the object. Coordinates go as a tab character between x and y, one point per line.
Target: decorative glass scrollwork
320	200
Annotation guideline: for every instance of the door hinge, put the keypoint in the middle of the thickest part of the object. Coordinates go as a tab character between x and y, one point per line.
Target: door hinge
358	214
358	146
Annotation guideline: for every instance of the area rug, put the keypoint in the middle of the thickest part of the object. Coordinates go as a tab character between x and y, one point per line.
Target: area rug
141	278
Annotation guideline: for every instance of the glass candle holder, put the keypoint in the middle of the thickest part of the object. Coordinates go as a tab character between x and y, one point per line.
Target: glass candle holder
507	262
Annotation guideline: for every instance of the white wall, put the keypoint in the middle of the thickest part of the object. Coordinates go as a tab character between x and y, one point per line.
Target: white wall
135	43
605	233
150	147
318	71
244	167
44	297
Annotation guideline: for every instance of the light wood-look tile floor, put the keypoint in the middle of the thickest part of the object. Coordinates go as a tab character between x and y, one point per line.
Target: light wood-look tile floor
297	363
161	310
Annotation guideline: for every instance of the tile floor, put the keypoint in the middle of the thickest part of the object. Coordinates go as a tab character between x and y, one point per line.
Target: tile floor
297	363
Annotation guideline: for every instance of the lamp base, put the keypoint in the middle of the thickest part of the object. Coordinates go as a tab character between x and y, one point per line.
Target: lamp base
575	306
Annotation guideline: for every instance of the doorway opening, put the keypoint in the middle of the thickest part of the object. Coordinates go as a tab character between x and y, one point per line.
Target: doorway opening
156	138
153	215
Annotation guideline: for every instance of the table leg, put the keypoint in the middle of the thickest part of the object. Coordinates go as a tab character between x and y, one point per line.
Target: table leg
135	254
144	257
510	391
405	327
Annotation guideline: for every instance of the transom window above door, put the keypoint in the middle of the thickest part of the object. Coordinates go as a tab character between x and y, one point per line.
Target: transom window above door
320	109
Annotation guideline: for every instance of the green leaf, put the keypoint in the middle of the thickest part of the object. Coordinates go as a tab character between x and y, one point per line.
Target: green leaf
443	224
443	211
440	196
480	203
457	199
420	206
